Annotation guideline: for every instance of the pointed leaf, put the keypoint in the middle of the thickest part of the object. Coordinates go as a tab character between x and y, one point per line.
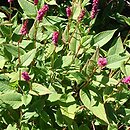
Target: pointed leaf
38	89
103	37
90	100
27	7
27	58
13	99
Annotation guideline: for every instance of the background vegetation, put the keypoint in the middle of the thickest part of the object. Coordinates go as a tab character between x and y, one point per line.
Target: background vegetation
64	69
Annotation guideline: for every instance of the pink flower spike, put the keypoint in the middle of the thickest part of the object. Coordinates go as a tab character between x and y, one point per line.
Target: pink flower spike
102	62
24	30
81	15
10	1
55	37
25	76
35	2
68	12
94	8
42	12
126	80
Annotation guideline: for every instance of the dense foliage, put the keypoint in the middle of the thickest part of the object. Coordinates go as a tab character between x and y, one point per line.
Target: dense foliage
64	65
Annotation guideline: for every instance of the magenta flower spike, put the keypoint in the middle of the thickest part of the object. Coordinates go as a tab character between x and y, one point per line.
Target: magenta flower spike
102	62
24	30
80	17
126	80
25	76
42	12
55	37
68	11
35	2
94	8
10	1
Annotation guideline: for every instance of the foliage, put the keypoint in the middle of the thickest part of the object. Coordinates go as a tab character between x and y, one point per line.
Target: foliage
67	88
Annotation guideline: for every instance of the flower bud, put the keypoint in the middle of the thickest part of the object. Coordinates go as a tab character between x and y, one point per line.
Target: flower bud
55	37
25	76
94	8
126	80
102	62
68	12
42	12
10	1
80	17
24	30
35	2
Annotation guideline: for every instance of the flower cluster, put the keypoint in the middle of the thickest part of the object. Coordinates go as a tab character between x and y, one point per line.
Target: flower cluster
10	1
102	62
42	12
80	17
55	37
25	76
68	11
24	30
94	8
126	80
35	2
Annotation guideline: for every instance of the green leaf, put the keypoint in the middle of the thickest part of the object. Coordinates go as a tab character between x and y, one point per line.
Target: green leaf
2	15
112	127
4	88
51	20
75	42
65	35
91	100
38	89
27	58
14	50
115	61
54	97
117	48
77	76
10	127
51	2
28	8
13	99
76	10
66	60
103	37
2	62
50	50
68	107
26	99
